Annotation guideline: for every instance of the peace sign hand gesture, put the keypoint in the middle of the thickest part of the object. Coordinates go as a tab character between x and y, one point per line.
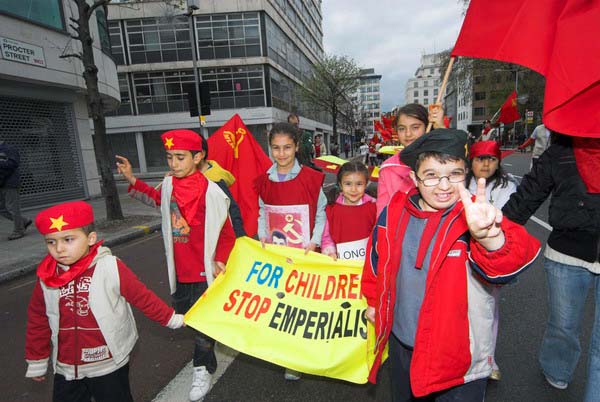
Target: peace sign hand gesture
483	218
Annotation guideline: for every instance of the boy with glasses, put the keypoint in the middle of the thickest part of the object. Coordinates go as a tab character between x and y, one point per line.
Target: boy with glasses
431	264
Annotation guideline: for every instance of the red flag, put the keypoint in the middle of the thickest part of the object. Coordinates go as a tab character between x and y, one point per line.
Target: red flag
558	39
508	111
388	123
385	133
235	149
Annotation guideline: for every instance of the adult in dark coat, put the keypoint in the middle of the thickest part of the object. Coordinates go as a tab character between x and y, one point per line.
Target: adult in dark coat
10	181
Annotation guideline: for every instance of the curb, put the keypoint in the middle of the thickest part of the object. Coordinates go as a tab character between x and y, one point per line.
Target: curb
129	234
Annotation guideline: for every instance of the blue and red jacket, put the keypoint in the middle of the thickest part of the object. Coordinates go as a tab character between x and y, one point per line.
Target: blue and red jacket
453	341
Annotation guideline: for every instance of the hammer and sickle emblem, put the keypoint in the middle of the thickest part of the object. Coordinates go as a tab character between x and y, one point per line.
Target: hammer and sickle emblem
234	140
289	229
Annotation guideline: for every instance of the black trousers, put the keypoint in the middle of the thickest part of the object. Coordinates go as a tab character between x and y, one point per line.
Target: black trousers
400	356
113	387
204	346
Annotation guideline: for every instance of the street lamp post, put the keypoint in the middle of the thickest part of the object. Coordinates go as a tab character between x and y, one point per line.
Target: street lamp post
192	30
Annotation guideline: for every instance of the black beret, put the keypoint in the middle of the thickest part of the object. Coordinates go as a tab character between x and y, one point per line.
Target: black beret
442	140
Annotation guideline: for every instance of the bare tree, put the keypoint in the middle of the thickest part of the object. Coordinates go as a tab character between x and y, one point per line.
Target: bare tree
334	80
81	32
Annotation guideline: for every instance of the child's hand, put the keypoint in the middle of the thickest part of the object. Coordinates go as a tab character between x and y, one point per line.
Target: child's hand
482	217
219	267
370	314
436	115
124	167
176	321
39	379
330	252
311	247
263	240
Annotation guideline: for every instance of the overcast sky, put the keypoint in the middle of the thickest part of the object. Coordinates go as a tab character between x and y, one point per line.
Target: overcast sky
390	36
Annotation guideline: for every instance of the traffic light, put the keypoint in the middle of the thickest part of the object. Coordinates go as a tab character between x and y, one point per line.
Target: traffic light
204	99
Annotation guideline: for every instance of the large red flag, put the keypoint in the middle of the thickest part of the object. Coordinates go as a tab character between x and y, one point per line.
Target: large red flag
235	149
558	39
508	111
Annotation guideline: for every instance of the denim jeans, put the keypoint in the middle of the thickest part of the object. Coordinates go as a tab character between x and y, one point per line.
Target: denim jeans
204	346
568	286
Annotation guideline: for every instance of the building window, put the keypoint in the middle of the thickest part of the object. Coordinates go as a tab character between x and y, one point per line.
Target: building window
435	92
45	12
478	111
426	83
284	52
103	30
416	94
425	101
235	87
125	108
416	85
478	80
431	71
227	36
116	41
479	96
155	40
425	92
162	92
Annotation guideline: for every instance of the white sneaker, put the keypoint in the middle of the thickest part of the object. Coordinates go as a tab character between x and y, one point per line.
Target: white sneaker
557	383
292	375
201	383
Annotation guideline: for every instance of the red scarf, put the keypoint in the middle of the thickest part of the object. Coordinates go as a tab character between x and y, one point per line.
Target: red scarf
54	278
587	158
189	193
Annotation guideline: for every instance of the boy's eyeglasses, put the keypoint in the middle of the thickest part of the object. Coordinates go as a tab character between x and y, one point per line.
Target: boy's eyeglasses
454	177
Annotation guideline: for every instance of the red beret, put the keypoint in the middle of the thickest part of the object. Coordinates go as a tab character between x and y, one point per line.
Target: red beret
65	216
482	148
183	140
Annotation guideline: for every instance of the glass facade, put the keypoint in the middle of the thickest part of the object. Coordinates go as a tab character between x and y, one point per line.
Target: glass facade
285	53
116	41
162	91
224	36
45	12
155	40
235	87
103	30
307	26
125	108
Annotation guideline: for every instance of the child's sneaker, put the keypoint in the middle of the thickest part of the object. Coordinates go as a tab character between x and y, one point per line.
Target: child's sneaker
557	383
292	375
201	382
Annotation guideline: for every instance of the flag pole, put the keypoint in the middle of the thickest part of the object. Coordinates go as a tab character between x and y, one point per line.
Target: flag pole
442	87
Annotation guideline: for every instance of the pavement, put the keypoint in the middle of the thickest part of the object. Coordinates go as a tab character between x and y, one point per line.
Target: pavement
21	256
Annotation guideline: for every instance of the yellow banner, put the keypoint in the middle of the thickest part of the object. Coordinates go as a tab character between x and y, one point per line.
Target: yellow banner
304	312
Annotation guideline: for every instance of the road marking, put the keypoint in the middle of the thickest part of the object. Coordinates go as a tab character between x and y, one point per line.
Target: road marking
21	285
142	239
541	223
507	164
146	229
518	177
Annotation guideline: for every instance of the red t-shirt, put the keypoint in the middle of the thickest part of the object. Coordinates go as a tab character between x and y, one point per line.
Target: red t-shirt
188	245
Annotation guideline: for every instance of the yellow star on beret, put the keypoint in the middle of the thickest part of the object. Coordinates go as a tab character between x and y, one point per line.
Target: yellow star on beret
169	143
58	223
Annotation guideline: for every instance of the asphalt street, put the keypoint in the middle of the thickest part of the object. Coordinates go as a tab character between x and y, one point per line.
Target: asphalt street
161	353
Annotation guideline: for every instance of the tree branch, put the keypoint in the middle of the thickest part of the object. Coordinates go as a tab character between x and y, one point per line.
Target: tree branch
93	7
